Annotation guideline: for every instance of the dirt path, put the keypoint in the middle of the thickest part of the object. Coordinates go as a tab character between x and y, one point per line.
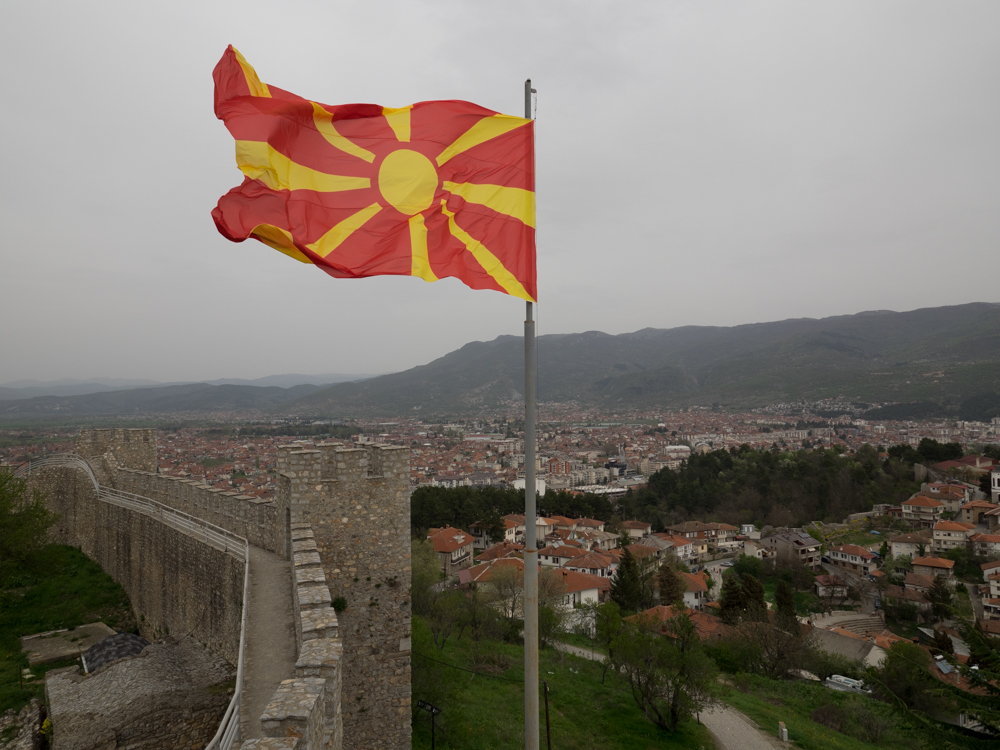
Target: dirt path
734	731
731	729
270	650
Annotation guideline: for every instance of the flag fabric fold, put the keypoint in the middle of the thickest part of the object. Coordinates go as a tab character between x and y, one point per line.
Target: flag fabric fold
434	190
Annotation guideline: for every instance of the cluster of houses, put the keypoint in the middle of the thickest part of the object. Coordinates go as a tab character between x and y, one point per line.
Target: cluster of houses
944	516
587	555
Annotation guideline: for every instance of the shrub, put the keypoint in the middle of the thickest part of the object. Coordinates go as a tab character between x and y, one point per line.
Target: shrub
830	716
339	604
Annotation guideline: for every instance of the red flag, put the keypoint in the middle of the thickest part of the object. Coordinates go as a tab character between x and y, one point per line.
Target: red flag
433	190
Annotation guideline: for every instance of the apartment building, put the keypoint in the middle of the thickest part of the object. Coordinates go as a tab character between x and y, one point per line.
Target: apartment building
948	535
795	545
922	511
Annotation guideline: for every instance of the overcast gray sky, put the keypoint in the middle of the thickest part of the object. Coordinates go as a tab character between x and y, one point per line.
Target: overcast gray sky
707	163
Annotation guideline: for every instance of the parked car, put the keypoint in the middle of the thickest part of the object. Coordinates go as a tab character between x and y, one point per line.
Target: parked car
846	684
825	558
728	564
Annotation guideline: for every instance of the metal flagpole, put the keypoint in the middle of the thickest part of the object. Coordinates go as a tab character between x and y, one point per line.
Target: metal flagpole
531	729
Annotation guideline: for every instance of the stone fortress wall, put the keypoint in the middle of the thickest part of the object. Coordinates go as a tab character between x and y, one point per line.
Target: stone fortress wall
356	502
255	519
178	584
341	515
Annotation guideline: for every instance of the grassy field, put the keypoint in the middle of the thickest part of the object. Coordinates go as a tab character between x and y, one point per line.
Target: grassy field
862	538
480	712
63	589
806	602
769	701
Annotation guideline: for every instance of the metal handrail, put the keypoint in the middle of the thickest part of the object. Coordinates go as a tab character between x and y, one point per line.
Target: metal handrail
60	459
216	536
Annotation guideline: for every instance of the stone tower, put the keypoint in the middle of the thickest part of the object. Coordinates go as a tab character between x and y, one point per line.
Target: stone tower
357	500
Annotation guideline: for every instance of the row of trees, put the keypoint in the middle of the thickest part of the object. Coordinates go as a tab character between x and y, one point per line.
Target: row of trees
739	485
743	485
432	507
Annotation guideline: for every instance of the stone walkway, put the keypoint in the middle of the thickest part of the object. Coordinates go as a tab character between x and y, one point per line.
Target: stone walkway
270	650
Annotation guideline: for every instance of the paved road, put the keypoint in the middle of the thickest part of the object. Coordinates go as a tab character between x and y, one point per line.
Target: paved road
270	651
731	729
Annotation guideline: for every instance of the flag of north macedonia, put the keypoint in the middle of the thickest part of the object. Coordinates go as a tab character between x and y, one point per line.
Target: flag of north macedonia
433	190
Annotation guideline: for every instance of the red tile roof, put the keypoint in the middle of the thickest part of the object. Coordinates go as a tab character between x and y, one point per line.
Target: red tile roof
448	539
923	502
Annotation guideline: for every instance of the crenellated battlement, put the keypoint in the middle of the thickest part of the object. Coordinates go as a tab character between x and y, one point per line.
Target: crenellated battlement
355	499
338	462
133	447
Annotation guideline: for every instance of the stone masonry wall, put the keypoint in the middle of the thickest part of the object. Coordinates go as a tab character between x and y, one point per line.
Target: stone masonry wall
356	500
132	447
256	519
176	583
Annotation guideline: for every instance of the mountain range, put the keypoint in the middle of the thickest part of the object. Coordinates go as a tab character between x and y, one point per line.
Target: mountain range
22	389
932	362
936	359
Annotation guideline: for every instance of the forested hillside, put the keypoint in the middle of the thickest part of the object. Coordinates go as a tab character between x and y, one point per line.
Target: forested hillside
777	488
942	360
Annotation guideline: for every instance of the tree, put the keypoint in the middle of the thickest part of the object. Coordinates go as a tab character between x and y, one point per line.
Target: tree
768	650
883	551
942	642
494	525
551	587
731	600
480	617
672	586
626	587
784	605
940	597
550	623
608	627
24	522
670	676
507	582
754	606
425	573
445	616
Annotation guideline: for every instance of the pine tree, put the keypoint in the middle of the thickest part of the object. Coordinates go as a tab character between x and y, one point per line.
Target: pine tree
754	606
784	605
943	643
731	600
940	597
672	585
626	587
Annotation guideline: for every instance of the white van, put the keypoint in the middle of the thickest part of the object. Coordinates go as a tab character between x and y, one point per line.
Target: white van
846	684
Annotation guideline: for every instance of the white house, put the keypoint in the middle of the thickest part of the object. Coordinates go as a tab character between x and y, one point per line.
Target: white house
853	558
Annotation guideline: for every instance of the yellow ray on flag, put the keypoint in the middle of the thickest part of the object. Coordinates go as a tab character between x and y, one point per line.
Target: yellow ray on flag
257	88
258	160
324	124
280	239
340	232
490	263
421	264
515	202
399	121
484	130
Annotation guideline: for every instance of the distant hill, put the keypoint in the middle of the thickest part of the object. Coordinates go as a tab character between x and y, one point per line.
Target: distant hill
939	358
195	398
23	389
